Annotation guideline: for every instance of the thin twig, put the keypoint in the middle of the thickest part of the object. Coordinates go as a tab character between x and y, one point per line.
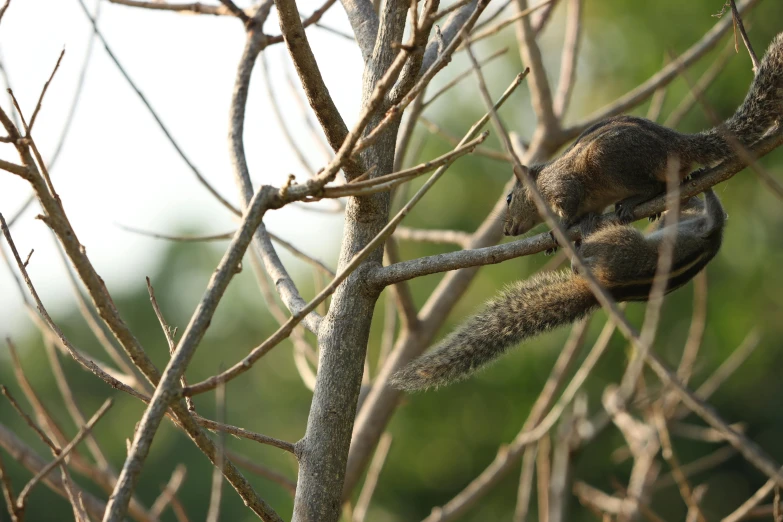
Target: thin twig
544	476
154	114
22	499
434	128
489	31
451	237
236	11
573	33
320	265
668	454
659	79
704	82
216	492
169	490
461	76
374	471
43	93
27	457
389	181
287	484
28	420
168	334
739	25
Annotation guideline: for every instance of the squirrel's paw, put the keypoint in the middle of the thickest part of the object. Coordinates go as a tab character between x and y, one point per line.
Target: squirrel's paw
624	212
654	217
696	174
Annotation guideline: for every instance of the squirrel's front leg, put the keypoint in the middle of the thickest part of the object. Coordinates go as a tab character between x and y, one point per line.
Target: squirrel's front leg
569	217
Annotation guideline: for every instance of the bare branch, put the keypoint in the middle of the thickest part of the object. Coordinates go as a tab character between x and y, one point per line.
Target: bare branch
166	390
705	82
360	511
739	25
26	456
43	93
741	512
285	286
659	79
461	76
281	121
216	492
154	114
364	21
440	62
5	482
452	237
168	334
28	420
169	491
236	11
525	489
97	330
310	75
565	84
540	94
543	476
107	474
490	31
453	140
389	181
320	265
245	434
668	454
285	482
730	365
188	8
22	499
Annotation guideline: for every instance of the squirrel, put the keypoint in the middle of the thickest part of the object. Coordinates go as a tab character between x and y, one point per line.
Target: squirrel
624	159
622	259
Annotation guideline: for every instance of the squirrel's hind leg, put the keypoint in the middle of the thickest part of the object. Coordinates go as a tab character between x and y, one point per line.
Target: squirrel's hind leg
624	209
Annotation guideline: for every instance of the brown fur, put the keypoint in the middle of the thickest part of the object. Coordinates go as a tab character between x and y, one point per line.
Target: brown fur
622	259
623	160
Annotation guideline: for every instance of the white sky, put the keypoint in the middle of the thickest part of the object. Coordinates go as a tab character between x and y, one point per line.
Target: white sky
117	166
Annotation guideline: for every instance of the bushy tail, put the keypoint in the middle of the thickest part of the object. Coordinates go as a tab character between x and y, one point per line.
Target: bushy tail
761	110
522	310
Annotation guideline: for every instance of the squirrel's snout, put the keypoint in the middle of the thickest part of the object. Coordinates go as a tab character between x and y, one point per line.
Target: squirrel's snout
511	228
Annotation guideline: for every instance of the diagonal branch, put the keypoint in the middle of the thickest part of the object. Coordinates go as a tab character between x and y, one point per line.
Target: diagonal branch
62	454
565	84
661	78
310	75
167	389
540	94
154	114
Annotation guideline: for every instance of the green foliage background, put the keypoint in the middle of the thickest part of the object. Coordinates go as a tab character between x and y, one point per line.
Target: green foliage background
444	439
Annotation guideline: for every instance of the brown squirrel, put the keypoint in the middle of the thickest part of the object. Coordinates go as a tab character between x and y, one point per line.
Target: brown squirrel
623	160
622	259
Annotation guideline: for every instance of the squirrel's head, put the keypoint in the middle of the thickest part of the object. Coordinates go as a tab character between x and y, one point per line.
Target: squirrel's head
521	214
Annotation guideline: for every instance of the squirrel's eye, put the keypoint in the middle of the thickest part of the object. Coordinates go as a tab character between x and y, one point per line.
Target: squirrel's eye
508	199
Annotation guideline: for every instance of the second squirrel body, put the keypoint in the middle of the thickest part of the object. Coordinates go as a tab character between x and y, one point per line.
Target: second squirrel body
619	256
624	160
